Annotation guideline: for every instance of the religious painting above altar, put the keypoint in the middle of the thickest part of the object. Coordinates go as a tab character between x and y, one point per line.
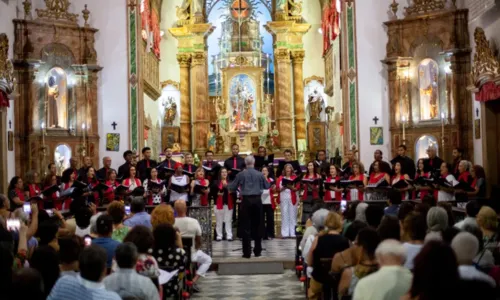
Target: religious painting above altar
242	103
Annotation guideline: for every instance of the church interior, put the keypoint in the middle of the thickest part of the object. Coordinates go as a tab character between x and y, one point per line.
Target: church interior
100	83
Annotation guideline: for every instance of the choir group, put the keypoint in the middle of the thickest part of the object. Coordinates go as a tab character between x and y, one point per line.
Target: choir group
317	181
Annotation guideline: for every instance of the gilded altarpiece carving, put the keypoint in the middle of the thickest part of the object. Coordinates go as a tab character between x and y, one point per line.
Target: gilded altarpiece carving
55	64
428	64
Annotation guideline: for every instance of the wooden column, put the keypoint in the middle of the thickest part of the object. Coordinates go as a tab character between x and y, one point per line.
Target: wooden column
201	117
283	98
298	94
185	136
3	152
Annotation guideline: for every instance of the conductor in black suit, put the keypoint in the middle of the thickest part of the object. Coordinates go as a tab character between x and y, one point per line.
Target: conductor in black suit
252	183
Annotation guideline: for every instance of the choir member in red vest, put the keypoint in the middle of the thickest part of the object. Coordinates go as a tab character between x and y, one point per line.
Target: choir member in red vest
287	198
268	205
376	175
53	171
67	182
422	171
111	181
335	193
16	193
200	199
311	191
400	175
155	196
357	192
51	201
102	173
210	163
478	182
73	164
234	162
223	206
91	180
464	172
132	182
32	188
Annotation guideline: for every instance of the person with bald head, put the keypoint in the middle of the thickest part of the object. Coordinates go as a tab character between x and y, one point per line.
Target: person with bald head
189	227
433	162
102	173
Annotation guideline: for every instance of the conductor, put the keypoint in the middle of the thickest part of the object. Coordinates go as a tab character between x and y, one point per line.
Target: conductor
251	183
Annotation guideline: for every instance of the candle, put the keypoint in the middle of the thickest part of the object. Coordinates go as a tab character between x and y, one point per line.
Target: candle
83	132
442	124
403	119
43	135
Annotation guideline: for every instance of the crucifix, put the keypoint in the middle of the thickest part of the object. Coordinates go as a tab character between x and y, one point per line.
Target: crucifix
375	120
10	124
114	125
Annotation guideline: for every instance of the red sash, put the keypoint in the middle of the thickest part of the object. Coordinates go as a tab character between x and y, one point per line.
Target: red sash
220	200
203	197
464	177
127	182
34	190
422	193
20	194
328	193
109	194
315	193
294	194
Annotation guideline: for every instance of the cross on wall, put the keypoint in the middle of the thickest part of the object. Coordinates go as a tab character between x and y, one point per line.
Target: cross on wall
375	120
114	125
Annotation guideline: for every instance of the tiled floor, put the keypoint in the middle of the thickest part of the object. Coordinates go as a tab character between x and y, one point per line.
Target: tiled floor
256	287
277	248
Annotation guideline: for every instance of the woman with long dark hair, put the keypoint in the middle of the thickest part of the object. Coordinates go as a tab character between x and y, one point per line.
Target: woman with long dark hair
422	172
67	181
399	175
50	201
223	208
32	188
268	205
357	192
16	193
311	191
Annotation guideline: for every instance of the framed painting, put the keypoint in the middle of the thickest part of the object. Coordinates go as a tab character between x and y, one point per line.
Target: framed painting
376	136
113	142
10	141
477	129
170	136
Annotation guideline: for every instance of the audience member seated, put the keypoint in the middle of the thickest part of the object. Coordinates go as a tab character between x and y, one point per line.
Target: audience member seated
325	245
374	215
27	283
437	222
404	210
392	280
138	214
449	234
116	210
435	275
361	212
394	203
349	214
162	214
190	227
389	228
47	234
125	281
70	249
46	262
104	230
466	247
487	220
89	284
348	257
484	259
142	238
366	244
413	234
82	219
449	211
169	254
471	210
314	225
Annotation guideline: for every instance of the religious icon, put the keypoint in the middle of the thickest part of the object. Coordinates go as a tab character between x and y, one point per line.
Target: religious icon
170	111
275	138
211	140
243	106
53	93
316	105
56	98
429	90
113	142
376	136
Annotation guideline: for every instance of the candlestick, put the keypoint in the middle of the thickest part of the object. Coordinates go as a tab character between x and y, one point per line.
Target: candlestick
83	131
403	119
43	136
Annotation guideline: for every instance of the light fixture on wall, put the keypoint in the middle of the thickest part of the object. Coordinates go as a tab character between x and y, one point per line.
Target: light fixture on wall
320	30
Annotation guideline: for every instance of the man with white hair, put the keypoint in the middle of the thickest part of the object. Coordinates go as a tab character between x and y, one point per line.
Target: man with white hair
392	280
252	183
466	247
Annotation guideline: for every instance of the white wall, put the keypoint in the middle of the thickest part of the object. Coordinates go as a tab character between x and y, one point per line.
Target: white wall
313	40
169	67
8	11
372	75
490	22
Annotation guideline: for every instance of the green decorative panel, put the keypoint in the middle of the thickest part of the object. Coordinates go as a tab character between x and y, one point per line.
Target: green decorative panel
350	18
351	43
352	112
133	76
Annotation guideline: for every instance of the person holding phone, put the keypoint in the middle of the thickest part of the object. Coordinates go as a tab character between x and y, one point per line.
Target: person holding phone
16	193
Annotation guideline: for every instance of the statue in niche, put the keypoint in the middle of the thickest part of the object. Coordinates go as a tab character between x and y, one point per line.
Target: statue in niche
56	99
429	89
170	111
316	104
53	94
274	138
188	8
211	140
295	7
220	144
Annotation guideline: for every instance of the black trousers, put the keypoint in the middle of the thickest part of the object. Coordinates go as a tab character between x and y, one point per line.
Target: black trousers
251	224
268	219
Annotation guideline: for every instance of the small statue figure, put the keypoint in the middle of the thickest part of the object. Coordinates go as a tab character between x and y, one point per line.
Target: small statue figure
316	104
302	159
329	113
196	159
176	148
182	12
170	111
295	7
220	107
211	140
220	144
275	138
